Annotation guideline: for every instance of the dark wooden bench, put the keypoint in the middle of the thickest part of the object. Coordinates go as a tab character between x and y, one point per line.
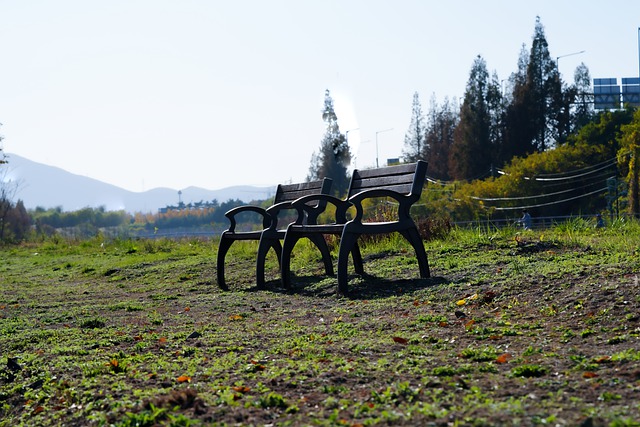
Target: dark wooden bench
272	231
403	183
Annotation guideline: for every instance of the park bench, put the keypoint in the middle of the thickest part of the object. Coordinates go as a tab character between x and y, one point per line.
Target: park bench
273	230
403	183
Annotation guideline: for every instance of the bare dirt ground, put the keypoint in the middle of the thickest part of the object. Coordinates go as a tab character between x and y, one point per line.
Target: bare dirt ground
505	332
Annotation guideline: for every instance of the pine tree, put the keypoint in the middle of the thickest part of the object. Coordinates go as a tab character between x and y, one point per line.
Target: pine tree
544	93
496	105
537	115
518	132
415	147
471	153
441	124
334	155
18	222
583	110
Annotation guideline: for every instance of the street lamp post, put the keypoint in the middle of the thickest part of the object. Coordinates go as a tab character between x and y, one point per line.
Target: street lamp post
377	132
346	135
346	138
564	56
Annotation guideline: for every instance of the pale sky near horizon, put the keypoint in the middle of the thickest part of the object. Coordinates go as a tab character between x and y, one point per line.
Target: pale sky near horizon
156	93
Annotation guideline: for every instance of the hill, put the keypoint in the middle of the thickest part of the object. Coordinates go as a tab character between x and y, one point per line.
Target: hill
48	186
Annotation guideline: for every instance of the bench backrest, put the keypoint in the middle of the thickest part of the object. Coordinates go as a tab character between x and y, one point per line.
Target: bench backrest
291	192
404	179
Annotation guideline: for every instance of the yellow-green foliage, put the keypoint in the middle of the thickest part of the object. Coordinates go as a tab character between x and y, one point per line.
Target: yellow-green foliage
628	159
597	142
464	204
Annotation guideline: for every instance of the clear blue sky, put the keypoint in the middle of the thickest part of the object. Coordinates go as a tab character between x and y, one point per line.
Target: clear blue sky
156	93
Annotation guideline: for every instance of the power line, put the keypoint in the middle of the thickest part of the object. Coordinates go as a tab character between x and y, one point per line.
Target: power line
563	184
606	162
500	199
566	178
570	177
438	181
551	203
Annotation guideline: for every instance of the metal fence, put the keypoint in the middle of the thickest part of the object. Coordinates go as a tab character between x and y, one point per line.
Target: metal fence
537	223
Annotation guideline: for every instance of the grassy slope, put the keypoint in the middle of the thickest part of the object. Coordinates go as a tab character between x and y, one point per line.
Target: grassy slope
511	329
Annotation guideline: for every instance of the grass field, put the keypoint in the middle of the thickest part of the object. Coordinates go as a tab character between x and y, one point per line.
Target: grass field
513	328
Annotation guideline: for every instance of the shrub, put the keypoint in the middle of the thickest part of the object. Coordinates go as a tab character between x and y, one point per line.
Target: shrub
434	228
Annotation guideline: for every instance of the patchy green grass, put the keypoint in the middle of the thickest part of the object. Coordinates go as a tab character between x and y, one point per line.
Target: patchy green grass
538	328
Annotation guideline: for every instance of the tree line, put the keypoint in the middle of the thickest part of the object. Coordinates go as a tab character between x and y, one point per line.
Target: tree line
531	111
89	221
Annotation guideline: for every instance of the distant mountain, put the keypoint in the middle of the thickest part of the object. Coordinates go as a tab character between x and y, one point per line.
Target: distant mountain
50	187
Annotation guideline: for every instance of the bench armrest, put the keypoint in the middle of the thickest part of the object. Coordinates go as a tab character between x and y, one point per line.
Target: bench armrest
405	201
231	215
274	212
312	212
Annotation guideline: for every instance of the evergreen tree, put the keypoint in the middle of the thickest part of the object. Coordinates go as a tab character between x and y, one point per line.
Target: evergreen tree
415	147
442	122
544	92
334	156
518	133
583	108
520	76
18	223
496	104
537	116
471	153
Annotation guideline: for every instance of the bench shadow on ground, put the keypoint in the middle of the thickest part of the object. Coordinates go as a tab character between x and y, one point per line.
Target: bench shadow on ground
361	287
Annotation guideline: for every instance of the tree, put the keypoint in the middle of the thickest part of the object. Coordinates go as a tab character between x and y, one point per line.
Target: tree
415	147
537	115
442	122
7	191
14	220
334	156
18	223
583	107
604	132
471	154
544	91
629	157
496	105
518	136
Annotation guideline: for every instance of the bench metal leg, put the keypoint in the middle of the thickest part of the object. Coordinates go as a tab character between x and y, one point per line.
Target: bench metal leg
356	257
413	236
290	241
223	248
263	250
348	245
